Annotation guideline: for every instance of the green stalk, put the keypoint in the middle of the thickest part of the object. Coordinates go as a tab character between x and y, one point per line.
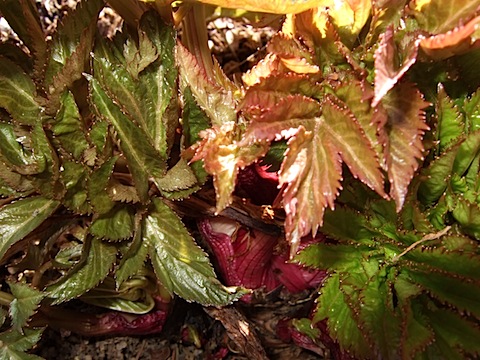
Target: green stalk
195	37
6	298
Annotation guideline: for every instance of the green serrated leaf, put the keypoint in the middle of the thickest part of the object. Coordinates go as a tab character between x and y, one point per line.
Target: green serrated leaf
117	224
15	155
74	175
450	121
467	152
23	17
48	181
133	259
468	216
99	136
26	302
97	187
179	177
342	326
99	260
459	333
18	94
143	160
21	217
71	46
416	333
379	321
449	257
15	344
472	112
181	266
433	182
137	59
69	127
194	120
450	289
342	258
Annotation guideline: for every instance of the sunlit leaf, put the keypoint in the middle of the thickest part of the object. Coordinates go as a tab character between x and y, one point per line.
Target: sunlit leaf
26	302
223	157
99	260
457	41
274	6
439	16
217	103
312	171
21	217
181	266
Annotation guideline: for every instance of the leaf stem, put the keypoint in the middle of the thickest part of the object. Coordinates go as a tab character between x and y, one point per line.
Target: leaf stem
422	240
195	38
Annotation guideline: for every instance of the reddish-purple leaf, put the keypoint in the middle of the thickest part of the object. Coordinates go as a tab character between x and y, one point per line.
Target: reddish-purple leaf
387	56
404	108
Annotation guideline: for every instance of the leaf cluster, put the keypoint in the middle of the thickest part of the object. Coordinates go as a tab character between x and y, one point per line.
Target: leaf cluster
88	159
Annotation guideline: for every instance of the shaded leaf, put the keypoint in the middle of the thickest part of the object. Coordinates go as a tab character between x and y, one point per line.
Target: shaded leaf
450	121
15	344
17	157
468	216
117	224
404	130
18	94
133	259
69	127
100	257
48	181
97	185
387	70
21	217
181	266
143	160
74	176
26	302
458	293
459	333
23	17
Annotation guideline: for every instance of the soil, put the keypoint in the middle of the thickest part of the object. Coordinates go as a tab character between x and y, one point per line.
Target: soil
191	332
